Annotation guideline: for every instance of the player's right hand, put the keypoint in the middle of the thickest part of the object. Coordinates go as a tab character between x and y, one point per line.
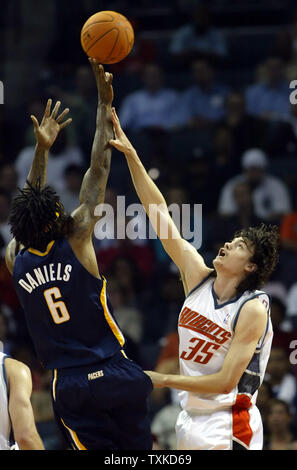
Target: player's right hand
121	141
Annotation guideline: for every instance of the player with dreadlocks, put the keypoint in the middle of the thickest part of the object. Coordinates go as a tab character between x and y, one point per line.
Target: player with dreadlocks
68	313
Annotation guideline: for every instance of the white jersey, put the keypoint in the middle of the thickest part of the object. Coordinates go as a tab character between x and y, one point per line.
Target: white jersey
206	329
5	424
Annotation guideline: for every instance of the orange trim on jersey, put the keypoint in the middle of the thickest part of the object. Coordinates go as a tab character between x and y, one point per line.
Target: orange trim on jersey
39	253
241	419
116	331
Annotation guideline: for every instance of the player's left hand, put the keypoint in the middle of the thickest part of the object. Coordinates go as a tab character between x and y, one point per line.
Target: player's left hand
157	379
104	82
47	132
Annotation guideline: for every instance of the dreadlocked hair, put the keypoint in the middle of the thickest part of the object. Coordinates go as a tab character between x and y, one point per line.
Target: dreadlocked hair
265	241
38	217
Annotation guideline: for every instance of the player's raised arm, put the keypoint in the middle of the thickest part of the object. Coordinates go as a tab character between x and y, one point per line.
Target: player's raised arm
94	183
45	133
184	255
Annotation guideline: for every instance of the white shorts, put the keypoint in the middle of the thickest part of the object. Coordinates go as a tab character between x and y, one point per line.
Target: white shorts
221	430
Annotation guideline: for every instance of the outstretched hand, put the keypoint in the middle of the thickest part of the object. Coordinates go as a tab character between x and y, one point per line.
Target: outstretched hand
104	82
121	141
47	132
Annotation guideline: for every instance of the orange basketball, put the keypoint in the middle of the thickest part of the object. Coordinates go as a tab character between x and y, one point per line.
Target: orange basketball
107	36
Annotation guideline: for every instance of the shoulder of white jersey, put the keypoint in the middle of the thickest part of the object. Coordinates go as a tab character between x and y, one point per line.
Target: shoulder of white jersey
200	284
246	297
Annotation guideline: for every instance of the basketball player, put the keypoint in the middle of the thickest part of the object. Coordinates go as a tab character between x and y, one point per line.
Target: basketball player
16	417
69	316
225	330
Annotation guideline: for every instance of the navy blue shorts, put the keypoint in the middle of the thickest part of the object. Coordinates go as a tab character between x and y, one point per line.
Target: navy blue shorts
104	406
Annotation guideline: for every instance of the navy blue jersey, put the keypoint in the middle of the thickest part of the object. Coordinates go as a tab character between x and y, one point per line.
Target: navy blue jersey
67	310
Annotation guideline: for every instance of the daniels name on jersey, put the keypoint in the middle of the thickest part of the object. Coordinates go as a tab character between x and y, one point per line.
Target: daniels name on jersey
47	273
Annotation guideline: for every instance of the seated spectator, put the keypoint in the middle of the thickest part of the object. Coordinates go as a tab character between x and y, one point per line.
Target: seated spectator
60	157
247	131
270	99
280	378
222	228
281	135
81	101
270	195
73	175
154	106
203	103
198	38
280	435
9	178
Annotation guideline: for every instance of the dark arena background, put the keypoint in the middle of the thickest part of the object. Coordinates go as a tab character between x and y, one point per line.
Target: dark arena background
221	131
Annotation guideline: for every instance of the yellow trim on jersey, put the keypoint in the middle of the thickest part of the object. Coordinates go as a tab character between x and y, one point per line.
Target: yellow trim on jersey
116	331
39	253
124	354
54	383
74	437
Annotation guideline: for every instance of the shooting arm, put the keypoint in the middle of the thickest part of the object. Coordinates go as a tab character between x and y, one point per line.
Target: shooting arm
183	254
94	183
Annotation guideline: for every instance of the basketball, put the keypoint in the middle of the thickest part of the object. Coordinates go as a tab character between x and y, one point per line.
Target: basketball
107	37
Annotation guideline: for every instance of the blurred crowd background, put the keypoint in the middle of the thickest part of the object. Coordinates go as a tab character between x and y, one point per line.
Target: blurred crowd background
204	97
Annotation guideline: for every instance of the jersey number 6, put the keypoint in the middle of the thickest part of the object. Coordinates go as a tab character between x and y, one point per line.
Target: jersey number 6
57	307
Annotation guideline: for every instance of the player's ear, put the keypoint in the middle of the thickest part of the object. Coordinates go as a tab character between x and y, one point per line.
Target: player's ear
251	267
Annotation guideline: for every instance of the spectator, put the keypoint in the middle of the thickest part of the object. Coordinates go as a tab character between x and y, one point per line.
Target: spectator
80	101
222	228
270	195
60	157
282	381
153	106
9	178
203	103
281	338
280	435
73	175
247	131
198	38
270	100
